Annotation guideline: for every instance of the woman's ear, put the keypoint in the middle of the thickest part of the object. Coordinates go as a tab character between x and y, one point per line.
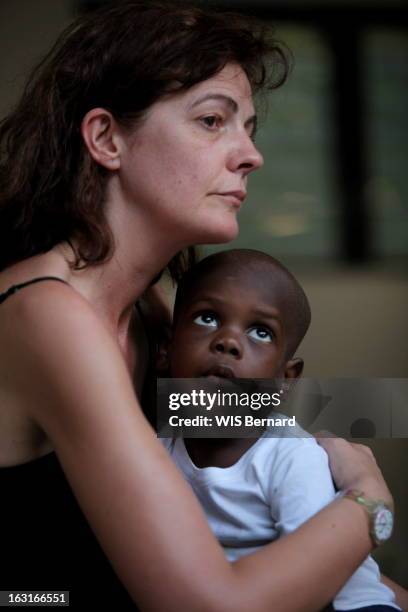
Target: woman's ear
99	131
294	368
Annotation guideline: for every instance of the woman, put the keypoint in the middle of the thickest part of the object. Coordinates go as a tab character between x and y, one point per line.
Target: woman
133	140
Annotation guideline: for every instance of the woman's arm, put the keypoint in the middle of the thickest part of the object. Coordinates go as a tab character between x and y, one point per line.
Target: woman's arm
69	370
401	594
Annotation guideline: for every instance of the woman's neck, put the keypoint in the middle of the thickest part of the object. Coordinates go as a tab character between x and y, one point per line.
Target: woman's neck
141	249
113	287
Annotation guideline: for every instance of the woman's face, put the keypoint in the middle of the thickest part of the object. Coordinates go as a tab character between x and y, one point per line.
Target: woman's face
187	164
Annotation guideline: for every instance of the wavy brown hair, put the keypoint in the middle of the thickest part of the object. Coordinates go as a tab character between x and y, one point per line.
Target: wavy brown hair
124	59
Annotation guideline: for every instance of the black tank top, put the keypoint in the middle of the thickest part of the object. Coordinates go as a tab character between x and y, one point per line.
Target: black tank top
45	541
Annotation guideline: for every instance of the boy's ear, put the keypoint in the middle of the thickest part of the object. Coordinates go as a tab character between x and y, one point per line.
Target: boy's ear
294	368
162	357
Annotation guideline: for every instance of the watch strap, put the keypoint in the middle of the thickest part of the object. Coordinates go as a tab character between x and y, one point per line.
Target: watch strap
372	507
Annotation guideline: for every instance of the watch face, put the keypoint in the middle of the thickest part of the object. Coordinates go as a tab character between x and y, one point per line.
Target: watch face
383	524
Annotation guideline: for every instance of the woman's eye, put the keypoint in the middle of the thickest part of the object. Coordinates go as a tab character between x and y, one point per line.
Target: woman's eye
212	122
261	333
253	136
207	319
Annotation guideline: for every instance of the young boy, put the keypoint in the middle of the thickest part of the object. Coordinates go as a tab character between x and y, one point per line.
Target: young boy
241	314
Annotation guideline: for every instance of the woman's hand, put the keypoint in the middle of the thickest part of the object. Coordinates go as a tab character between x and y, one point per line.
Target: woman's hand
353	466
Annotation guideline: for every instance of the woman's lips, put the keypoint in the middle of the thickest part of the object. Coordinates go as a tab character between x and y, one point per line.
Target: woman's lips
235	197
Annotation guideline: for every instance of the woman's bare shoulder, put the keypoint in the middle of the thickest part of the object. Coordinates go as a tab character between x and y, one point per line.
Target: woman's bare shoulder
39	296
42	317
53	338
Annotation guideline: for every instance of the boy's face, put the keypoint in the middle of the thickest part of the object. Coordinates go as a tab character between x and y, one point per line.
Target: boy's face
231	326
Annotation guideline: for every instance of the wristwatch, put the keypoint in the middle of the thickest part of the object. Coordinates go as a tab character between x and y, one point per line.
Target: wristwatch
380	515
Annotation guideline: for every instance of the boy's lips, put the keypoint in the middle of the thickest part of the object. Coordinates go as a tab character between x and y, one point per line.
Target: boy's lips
220	371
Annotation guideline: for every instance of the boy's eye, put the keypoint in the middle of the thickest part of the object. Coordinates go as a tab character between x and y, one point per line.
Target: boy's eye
260	333
207	319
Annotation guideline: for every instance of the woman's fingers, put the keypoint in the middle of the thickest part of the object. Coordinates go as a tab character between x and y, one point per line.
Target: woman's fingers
323	433
328	440
367	450
353	466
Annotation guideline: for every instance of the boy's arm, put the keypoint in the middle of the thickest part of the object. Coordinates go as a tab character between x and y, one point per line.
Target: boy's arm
300	483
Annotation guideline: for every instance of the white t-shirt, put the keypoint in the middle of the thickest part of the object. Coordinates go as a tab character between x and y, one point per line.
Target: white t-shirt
277	485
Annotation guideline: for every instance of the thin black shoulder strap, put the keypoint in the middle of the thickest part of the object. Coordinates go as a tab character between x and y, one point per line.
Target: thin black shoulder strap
15	288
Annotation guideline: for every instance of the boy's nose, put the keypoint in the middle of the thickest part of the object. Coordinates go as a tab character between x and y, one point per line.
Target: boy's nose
229	345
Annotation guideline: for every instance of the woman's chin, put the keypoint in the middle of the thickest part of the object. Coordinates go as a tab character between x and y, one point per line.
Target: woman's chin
221	233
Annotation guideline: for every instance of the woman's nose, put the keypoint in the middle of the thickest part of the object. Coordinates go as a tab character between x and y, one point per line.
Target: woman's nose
227	344
245	157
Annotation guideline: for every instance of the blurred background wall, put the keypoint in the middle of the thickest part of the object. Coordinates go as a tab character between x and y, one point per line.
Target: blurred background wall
332	199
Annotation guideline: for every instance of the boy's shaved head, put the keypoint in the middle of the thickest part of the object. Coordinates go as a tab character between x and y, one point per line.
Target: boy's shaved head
265	273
